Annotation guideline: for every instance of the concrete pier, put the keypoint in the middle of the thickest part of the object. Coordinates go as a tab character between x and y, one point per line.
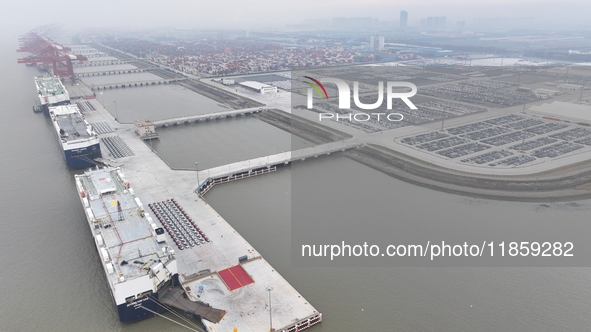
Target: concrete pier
202	266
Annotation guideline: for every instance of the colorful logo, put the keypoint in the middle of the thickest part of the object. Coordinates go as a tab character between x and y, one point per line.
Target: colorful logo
317	86
344	93
344	99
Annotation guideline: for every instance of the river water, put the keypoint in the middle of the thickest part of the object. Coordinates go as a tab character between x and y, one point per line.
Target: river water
52	280
155	102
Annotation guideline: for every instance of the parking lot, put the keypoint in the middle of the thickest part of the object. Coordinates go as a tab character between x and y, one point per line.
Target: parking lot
430	110
483	92
424	138
505	141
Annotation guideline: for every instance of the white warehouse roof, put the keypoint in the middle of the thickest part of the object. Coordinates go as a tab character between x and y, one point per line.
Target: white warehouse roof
255	85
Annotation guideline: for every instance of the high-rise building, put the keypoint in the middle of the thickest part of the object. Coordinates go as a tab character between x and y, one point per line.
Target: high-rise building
436	22
433	22
380	43
376	43
403	19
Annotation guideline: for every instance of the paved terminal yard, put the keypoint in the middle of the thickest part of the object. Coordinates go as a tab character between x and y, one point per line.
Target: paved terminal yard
211	271
520	139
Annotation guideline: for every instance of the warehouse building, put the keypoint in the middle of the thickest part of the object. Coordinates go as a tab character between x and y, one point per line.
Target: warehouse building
259	87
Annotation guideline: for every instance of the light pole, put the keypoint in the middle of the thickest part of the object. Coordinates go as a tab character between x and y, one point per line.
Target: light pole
270	310
103	99
116	112
197	169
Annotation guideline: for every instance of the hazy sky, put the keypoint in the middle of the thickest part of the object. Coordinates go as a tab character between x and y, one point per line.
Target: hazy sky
27	14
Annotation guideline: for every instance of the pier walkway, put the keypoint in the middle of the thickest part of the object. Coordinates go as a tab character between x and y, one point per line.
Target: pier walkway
135	83
113	72
209	178
205	117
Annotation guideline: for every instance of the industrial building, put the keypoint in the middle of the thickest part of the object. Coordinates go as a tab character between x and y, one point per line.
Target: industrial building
259	87
376	43
145	129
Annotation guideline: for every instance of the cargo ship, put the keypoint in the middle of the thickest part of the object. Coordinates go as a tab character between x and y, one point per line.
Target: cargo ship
52	92
139	266
77	139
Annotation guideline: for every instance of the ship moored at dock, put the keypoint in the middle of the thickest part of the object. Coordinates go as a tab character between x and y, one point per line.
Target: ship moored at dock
51	92
77	139
139	266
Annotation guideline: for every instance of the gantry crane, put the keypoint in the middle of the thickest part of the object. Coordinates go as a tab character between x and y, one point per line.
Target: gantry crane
44	50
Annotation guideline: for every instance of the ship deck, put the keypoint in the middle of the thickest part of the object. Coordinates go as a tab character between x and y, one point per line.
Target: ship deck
69	119
49	86
51	91
127	233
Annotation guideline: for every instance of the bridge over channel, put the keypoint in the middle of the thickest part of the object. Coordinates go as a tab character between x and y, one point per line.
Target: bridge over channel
93	63
135	84
211	177
114	72
205	117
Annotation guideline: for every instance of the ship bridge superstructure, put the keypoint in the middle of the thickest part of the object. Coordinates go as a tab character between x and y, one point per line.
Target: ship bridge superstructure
51	91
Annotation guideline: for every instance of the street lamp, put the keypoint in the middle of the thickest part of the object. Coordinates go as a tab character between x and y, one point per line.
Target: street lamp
116	112
103	99
197	169
270	310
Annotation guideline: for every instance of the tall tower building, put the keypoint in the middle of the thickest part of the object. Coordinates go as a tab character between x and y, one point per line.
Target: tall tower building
380	43
403	19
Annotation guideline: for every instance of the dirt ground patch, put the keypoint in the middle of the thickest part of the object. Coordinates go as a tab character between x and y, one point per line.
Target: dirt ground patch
301	127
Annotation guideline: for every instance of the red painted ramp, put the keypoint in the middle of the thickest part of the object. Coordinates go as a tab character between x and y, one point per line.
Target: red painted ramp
235	277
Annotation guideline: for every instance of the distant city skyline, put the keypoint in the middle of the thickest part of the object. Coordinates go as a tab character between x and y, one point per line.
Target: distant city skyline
231	14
